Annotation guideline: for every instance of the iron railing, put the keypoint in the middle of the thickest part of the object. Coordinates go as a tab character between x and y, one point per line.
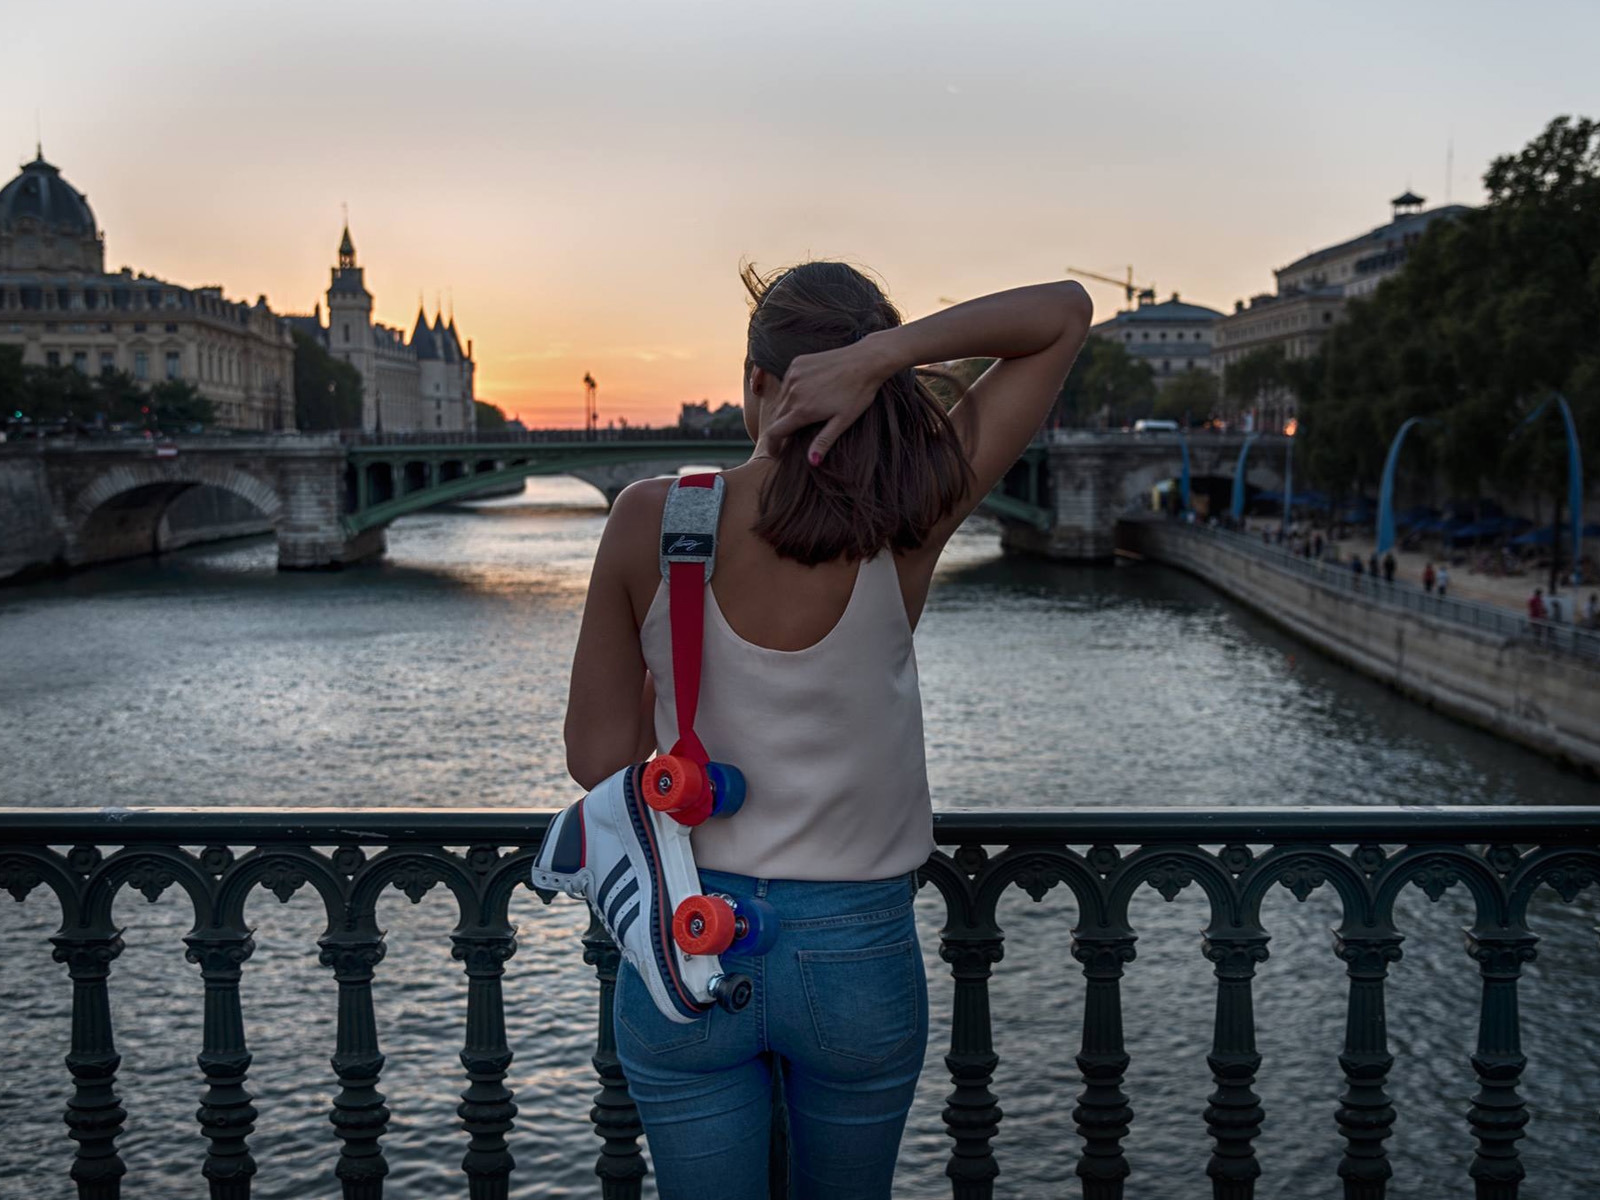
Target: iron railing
1369	856
1562	636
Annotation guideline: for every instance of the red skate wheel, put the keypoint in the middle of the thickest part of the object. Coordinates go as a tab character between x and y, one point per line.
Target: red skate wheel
673	784
703	925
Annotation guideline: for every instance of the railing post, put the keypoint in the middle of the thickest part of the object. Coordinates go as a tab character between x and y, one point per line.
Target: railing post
620	1166
226	1114
1103	1114
1233	1116
1366	1114
359	1115
971	1114
94	1113
487	1108
1498	1114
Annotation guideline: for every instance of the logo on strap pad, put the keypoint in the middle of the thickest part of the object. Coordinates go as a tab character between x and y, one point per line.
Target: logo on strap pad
692	545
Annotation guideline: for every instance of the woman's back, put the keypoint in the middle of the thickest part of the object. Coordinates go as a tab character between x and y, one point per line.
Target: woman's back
810	688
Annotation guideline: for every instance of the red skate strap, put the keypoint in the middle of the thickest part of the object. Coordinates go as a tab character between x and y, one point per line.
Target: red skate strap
686	598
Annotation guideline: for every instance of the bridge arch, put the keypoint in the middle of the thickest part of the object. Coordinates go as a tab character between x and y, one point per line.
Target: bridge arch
119	513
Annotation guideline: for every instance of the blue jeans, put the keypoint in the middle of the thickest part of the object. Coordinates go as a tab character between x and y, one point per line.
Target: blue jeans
841	999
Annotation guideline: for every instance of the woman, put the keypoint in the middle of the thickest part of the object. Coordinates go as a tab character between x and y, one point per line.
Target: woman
827	544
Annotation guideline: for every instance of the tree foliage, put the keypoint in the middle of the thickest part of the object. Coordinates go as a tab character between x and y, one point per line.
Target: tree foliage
53	396
1190	397
1492	312
488	417
1106	386
327	392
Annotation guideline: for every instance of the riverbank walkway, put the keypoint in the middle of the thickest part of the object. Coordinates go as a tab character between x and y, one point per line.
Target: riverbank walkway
1466	581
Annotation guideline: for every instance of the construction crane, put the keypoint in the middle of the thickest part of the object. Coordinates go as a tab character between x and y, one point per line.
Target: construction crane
1129	288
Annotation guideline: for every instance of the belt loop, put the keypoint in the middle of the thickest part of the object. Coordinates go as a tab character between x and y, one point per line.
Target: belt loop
761	888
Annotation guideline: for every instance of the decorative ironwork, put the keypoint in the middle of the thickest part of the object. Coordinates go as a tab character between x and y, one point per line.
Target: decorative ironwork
1104	857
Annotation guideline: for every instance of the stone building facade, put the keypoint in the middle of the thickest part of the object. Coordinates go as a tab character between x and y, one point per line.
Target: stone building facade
61	307
421	385
1312	291
1173	336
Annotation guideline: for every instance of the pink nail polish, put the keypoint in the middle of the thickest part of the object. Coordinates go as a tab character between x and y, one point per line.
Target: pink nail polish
814	459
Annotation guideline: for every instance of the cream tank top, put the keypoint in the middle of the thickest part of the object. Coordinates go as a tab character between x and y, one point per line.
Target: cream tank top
829	739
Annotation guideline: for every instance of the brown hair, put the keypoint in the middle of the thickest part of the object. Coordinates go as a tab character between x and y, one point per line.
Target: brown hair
892	475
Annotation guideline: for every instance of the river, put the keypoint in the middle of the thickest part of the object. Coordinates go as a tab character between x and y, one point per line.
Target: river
439	677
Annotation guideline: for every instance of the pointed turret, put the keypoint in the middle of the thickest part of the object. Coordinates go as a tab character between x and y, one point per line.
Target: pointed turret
422	340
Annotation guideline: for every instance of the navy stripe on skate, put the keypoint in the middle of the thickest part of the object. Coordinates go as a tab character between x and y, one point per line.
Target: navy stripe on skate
661	922
627	924
568	854
617	872
624	893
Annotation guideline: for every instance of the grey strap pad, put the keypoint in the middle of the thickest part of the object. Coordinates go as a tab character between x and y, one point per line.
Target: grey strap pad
689	525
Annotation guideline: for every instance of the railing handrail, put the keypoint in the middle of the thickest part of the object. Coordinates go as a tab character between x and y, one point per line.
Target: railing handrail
1408	597
1338	824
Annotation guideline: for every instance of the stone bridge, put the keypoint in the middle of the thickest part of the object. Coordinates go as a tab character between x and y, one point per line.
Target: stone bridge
1065	495
74	502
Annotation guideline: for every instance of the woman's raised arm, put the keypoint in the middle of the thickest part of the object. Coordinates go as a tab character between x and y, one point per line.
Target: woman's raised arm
1035	333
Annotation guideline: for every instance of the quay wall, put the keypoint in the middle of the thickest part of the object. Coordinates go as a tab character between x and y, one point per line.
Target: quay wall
1544	699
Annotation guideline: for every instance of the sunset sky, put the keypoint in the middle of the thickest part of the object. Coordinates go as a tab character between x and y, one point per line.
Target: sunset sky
583	179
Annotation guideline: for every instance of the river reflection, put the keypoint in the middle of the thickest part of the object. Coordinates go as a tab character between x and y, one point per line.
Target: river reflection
439	677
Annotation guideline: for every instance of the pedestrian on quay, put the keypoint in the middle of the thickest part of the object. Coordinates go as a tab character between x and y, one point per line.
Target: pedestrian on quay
1356	570
828	538
1428	578
1316	545
1444	578
1591	612
1389	566
1372	566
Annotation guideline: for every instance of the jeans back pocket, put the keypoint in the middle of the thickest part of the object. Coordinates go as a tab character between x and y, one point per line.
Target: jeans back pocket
865	1003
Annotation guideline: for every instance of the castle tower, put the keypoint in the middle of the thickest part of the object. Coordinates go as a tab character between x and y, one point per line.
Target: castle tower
350	328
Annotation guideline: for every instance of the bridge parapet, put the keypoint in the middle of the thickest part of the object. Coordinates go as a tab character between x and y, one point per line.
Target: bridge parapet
1367	857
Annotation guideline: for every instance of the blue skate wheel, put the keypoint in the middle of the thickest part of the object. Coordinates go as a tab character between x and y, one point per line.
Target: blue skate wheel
759	921
727	788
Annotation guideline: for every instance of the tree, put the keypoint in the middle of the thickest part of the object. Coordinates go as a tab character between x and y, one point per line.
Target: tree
327	392
1189	397
177	404
13	383
489	419
1106	386
1492	312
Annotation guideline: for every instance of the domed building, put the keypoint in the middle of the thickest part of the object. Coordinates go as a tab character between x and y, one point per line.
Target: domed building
61	307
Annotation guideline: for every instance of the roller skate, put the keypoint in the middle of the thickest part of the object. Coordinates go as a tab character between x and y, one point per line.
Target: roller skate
634	866
625	847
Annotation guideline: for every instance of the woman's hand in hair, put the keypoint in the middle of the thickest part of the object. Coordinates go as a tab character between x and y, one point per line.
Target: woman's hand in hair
832	388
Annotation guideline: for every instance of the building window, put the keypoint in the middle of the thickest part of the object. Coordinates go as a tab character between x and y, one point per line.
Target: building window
105	326
141	365
347	331
438	421
51	327
1146	338
80	361
1327	318
1127	335
172	364
1191	364
52	358
108	362
138	326
1166	366
171	328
